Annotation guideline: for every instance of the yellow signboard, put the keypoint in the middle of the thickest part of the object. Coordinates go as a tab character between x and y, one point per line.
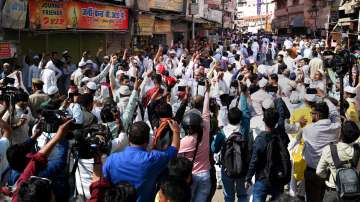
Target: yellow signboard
168	5
162	26
146	24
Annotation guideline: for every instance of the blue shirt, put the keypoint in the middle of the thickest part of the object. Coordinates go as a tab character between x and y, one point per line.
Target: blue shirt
138	167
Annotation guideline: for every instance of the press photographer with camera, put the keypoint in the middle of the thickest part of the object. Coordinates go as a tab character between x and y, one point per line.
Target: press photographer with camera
113	141
30	187
56	160
20	119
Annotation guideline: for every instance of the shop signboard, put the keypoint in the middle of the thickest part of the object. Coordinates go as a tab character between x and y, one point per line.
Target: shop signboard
168	5
7	49
14	14
213	15
146	24
162	26
83	15
47	14
194	8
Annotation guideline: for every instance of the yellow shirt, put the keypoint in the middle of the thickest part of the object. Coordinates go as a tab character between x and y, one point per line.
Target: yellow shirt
352	112
299	113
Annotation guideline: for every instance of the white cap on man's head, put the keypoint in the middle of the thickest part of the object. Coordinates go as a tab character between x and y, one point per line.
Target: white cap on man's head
263	82
52	90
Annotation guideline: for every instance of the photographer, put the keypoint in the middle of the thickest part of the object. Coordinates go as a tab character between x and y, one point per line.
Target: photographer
118	139
21	119
71	106
57	160
29	186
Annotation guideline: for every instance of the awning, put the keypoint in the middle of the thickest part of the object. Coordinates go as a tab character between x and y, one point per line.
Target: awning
297	21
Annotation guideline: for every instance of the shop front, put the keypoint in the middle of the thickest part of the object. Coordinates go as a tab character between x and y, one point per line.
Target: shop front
75	26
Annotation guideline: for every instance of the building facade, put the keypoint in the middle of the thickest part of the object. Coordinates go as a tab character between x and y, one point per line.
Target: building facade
311	17
254	15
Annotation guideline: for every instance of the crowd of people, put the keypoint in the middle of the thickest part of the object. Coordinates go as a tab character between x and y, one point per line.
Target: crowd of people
257	116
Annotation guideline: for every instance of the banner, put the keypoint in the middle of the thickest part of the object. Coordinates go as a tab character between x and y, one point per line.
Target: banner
14	14
93	16
169	5
47	14
162	26
7	49
146	24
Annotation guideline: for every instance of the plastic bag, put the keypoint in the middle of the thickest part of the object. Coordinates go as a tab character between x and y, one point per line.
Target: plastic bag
299	162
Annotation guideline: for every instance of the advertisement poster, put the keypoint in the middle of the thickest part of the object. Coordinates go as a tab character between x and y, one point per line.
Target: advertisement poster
93	16
169	5
45	14
162	26
14	14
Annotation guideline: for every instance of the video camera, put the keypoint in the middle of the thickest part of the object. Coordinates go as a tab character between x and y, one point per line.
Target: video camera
90	140
340	62
8	93
53	119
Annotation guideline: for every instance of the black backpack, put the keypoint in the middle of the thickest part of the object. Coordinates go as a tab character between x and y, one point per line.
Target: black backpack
347	179
235	155
278	166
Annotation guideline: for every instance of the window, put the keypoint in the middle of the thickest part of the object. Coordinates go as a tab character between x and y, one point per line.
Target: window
295	2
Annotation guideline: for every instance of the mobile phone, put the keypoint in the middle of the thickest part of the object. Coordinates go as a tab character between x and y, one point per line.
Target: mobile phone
181	88
311	91
132	79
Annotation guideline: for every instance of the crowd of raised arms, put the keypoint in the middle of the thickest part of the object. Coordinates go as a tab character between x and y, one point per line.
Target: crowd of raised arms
256	117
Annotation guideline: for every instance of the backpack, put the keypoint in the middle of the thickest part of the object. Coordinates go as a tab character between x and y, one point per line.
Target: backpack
163	136
278	166
235	156
347	179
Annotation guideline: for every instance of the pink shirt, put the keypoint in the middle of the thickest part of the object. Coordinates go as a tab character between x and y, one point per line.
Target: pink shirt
188	143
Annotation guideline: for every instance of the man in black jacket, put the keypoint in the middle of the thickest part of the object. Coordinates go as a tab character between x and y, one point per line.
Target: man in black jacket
258	160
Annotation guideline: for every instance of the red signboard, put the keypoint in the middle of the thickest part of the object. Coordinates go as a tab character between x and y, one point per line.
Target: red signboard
46	14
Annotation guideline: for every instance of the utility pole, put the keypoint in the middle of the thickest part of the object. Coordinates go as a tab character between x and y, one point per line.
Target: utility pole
222	18
193	23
